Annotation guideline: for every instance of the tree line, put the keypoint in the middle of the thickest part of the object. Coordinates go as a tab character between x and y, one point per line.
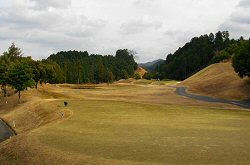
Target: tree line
80	67
198	54
22	72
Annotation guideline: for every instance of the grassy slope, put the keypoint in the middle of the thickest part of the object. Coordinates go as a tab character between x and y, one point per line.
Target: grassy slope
141	71
34	112
219	80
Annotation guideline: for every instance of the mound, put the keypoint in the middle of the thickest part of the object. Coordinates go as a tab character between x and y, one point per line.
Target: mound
219	80
141	71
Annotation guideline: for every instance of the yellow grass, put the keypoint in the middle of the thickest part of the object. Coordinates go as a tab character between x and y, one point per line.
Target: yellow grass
219	80
141	71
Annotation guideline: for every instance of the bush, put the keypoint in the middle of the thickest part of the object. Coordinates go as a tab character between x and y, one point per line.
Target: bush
65	103
241	62
149	76
221	56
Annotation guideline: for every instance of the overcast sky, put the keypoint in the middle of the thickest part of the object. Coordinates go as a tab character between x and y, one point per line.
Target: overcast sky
153	28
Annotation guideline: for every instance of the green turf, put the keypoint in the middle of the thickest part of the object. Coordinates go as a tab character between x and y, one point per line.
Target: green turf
152	133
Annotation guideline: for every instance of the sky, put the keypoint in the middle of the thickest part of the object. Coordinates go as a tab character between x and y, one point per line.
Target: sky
151	28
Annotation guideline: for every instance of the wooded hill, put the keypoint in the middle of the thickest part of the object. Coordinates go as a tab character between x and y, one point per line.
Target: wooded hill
80	67
196	55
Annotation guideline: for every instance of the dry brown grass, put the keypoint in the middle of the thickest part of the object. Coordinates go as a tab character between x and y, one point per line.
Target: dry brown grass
219	80
141	71
36	109
41	111
27	149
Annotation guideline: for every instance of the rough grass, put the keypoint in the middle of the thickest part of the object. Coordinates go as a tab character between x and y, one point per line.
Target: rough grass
165	82
142	82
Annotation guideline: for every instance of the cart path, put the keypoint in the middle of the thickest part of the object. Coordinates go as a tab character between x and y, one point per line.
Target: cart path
5	131
182	92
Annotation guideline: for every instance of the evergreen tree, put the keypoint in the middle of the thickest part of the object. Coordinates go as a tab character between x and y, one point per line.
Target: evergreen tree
110	77
6	60
21	75
226	40
13	52
211	38
218	42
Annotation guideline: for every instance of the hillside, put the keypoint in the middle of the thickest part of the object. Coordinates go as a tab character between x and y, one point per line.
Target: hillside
219	80
150	66
198	54
141	71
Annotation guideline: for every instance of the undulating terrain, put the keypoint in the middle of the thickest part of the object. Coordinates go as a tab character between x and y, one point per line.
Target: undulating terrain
127	122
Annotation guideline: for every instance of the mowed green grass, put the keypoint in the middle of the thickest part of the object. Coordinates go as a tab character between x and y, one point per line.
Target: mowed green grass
166	134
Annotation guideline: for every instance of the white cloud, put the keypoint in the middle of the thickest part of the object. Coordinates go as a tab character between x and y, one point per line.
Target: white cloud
46	4
152	28
244	3
239	21
139	26
143	3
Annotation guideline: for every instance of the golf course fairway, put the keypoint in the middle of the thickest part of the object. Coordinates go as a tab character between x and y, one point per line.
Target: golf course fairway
151	133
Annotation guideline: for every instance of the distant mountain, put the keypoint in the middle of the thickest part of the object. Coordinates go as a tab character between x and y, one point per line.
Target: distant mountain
150	66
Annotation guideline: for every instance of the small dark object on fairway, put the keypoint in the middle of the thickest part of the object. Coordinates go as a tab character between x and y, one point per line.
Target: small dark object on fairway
62	114
65	103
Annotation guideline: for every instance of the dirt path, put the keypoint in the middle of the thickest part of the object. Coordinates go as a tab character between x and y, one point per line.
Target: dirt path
182	92
5	131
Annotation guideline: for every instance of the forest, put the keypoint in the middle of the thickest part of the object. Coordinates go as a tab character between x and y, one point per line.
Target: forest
80	67
198	54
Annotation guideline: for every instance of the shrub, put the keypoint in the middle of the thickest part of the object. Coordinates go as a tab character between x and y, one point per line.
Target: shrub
149	76
137	76
65	103
221	56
